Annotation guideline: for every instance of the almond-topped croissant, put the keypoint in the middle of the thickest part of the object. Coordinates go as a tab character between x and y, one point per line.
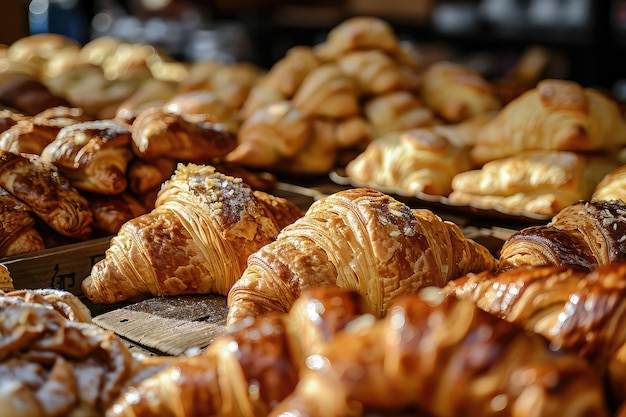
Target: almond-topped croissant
358	239
52	366
47	193
196	240
246	371
577	310
585	234
157	132
556	114
444	358
93	155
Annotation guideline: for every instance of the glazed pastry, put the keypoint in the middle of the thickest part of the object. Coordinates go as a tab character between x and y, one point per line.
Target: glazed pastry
576	310
252	378
397	111
555	115
445	358
328	92
158	133
456	92
359	239
586	234
9	118
612	186
93	155
18	232
57	367
540	182
416	161
196	240
271	134
28	136
110	212
48	194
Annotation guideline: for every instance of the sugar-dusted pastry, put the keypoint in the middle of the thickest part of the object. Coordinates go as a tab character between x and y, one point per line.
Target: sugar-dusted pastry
196	240
18	231
456	92
397	111
157	133
357	33
47	193
359	239
612	186
541	182
328	92
64	302
555	115
93	155
415	161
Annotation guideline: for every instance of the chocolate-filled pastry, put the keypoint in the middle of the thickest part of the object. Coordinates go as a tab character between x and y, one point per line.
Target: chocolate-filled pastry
93	155
197	138
18	231
49	194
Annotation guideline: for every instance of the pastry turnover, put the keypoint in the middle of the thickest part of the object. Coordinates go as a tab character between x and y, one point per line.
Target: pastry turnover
541	182
196	240
445	358
93	155
18	232
556	114
359	239
416	161
47	193
585	234
157	132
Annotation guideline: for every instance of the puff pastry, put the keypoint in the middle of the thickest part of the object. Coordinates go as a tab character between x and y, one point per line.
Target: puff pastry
541	182
196	240
93	155
18	231
555	115
358	239
49	195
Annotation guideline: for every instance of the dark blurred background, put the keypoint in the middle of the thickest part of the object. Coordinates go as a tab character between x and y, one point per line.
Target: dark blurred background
586	38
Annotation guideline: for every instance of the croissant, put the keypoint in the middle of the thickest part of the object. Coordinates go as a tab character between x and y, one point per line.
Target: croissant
48	194
556	114
577	310
612	186
585	234
443	358
28	136
374	71
52	366
397	111
93	155
541	181
64	302
189	138
287	74
196	240
456	92
248	380
110	212
358	239
18	232
145	175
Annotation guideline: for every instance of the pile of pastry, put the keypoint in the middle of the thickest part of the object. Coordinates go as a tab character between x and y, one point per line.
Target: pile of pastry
361	301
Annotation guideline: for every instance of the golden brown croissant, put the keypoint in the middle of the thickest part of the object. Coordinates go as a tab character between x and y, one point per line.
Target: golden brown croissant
612	186
577	310
456	92
585	234
196	240
48	194
18	231
397	111
244	372
445	358
557	114
187	138
541	181
52	366
287	74
93	155
358	239
374	71
415	161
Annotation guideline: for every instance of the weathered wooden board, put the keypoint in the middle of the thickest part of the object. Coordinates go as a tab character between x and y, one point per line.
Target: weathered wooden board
169	325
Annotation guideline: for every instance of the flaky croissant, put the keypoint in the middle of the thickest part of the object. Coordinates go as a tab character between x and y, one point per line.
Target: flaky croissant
359	239
612	186
18	232
577	310
196	240
248	380
584	234
444	358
